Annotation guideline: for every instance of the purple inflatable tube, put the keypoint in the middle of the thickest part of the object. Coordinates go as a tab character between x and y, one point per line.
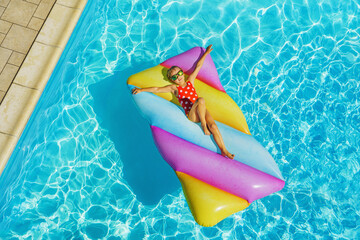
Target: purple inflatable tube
226	174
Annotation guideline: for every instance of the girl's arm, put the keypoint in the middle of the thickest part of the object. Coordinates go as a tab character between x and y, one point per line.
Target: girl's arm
168	88
199	64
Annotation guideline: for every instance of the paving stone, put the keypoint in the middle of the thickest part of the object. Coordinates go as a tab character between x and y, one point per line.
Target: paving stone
35	23
34	1
20	44
4	26
4	3
7	76
19	12
2	9
2	36
16	58
4	57
44	8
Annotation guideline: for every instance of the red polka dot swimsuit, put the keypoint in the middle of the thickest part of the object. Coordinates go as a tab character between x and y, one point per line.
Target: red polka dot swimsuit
187	96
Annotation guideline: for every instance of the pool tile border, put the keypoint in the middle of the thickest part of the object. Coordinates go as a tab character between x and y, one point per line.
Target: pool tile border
30	81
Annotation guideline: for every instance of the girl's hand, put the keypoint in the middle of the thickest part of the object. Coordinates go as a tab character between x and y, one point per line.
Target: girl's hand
136	91
208	49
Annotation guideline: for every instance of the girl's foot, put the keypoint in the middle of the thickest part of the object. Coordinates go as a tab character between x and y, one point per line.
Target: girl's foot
206	130
227	154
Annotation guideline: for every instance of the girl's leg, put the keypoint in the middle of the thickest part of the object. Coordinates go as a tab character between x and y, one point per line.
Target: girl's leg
217	136
198	112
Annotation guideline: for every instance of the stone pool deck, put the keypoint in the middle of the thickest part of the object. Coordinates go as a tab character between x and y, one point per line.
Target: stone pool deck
33	35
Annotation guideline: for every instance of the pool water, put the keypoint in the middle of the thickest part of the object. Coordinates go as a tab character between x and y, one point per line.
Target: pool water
86	167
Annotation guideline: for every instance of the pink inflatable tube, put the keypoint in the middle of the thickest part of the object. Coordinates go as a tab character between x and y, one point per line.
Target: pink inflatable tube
187	61
231	176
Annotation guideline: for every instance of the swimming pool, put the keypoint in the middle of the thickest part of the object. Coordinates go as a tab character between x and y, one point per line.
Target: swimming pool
291	66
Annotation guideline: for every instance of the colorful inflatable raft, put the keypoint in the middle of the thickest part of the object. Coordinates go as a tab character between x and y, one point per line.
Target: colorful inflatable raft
214	186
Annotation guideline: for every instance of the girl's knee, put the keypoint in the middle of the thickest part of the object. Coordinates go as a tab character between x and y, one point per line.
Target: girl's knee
212	127
201	100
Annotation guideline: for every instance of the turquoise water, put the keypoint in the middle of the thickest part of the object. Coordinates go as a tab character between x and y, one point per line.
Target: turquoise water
86	168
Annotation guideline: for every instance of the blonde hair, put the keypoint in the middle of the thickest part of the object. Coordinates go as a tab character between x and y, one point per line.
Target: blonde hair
170	69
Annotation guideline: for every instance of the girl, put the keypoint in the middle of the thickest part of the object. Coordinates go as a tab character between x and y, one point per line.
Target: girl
193	105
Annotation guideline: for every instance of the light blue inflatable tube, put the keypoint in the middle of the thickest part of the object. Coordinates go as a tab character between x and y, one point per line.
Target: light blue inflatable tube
171	118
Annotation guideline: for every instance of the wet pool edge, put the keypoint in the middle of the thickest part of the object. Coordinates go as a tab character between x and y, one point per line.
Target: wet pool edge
29	83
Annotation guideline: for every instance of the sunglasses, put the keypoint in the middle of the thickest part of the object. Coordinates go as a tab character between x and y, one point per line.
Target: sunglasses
175	76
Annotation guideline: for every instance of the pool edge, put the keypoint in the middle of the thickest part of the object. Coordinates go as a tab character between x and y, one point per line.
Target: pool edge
23	95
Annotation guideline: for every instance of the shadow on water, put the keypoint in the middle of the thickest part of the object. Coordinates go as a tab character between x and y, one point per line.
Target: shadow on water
149	176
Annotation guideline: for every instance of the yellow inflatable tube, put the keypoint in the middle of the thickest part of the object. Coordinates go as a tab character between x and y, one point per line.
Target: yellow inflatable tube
208	204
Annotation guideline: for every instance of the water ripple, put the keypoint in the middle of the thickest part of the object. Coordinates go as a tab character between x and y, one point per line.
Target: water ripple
291	65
